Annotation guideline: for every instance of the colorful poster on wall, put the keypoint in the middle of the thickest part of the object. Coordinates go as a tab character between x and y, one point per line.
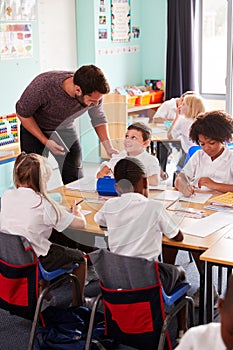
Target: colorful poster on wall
13	10
120	20
15	40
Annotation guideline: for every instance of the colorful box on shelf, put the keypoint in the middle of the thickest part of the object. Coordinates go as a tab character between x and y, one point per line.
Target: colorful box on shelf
156	96
131	101
143	99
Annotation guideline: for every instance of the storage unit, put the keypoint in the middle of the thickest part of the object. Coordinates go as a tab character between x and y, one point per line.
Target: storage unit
118	108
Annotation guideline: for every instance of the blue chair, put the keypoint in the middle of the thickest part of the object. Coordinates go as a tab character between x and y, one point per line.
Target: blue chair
191	151
132	295
20	272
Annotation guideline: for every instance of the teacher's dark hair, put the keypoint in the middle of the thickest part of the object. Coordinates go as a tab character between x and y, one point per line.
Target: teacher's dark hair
90	79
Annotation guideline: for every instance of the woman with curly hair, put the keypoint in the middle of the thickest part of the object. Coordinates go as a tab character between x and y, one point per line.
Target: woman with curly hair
212	167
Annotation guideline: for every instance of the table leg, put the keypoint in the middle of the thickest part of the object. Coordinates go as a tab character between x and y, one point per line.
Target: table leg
209	294
202	301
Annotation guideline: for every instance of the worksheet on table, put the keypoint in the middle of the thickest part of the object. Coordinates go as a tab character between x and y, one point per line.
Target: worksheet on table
171	195
86	184
205	226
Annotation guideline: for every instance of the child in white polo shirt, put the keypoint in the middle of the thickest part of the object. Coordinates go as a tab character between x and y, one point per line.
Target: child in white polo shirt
137	139
214	335
135	224
27	211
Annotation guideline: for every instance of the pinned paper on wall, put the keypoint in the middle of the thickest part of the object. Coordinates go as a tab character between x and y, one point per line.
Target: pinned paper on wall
16	40
118	50
11	10
120	20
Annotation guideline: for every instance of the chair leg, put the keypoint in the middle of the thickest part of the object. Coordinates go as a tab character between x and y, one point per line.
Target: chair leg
219	280
43	295
190	257
91	323
169	317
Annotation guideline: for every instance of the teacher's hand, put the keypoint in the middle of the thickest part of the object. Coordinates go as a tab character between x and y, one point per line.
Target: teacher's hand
55	148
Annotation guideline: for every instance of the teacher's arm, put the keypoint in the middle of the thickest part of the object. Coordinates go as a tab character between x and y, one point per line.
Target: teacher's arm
103	134
31	126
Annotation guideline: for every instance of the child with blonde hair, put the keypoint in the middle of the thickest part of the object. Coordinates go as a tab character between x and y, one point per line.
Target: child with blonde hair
190	108
27	211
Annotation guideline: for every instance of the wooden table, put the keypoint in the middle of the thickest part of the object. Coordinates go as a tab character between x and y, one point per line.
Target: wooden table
218	254
191	243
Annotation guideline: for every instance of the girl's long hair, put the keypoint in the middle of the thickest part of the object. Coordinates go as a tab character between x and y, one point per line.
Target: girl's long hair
195	105
33	171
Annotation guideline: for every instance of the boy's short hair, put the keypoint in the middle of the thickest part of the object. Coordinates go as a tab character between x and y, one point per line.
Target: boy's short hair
145	130
127	172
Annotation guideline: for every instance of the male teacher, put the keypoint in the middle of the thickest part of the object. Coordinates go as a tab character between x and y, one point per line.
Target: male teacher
51	102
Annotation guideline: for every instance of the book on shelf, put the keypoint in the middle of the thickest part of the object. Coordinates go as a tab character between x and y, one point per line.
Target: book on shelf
223	200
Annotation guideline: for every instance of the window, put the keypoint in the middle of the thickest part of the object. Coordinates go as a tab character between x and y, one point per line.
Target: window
213	51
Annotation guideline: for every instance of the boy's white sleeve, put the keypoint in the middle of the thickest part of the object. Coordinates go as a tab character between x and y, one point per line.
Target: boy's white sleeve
105	163
100	218
167	225
154	167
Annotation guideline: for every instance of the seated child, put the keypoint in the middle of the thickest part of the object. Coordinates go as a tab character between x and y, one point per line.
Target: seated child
135	224
28	211
192	105
208	169
212	167
213	335
137	139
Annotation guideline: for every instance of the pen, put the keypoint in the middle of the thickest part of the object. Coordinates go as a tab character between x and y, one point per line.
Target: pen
187	180
82	200
176	200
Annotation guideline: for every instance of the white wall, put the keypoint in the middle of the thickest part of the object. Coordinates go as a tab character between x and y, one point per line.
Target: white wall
57	35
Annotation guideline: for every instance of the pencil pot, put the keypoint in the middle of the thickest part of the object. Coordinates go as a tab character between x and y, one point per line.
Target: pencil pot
105	186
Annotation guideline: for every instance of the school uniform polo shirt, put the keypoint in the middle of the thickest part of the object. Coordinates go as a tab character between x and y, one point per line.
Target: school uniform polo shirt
135	225
149	161
26	213
181	131
167	109
219	170
203	337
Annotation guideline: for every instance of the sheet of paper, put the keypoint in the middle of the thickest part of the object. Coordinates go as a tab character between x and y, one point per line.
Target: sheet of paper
86	184
160	187
157	131
205	226
171	195
85	212
168	195
197	198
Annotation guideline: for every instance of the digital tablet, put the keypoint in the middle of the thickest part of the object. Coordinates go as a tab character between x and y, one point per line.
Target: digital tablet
53	135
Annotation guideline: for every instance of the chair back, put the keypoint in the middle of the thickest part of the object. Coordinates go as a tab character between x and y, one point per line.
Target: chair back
132	298
191	151
18	276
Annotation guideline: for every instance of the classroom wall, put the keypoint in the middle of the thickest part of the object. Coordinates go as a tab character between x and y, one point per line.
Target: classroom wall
55	48
129	68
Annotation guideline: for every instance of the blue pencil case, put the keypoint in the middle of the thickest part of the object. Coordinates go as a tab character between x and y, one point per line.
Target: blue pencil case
105	186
